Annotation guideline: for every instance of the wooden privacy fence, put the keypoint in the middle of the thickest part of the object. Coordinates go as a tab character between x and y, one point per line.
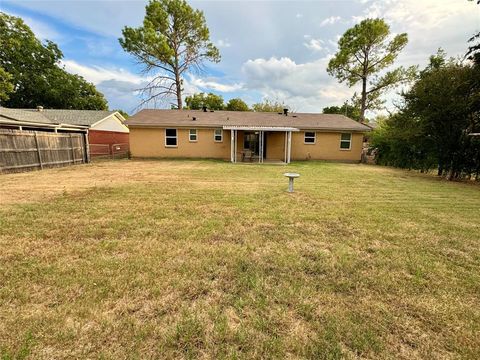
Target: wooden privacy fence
31	150
113	151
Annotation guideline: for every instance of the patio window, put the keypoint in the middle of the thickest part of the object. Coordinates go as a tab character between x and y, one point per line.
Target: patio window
218	135
171	138
309	137
192	135
346	141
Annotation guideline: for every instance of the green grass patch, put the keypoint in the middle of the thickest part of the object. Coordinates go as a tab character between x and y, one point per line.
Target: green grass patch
219	261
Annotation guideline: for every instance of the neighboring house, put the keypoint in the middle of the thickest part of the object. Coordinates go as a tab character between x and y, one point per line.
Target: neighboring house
245	136
31	141
105	128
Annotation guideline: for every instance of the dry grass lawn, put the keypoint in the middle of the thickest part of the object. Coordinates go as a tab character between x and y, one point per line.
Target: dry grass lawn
203	259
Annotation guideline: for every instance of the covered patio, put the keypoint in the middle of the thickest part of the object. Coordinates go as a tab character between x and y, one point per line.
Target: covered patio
250	143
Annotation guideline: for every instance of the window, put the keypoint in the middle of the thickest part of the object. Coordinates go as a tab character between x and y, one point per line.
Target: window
218	135
309	137
346	141
192	135
171	137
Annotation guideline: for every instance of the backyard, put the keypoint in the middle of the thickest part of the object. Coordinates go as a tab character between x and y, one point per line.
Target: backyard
205	259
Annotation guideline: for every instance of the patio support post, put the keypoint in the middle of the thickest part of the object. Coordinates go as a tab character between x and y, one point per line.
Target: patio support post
289	147
232	146
263	145
285	147
235	152
260	146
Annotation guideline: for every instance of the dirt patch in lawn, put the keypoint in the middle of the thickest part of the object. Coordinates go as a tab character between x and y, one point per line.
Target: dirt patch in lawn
40	185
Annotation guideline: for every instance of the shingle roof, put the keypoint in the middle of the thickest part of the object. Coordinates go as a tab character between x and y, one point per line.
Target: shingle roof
22	115
184	118
73	117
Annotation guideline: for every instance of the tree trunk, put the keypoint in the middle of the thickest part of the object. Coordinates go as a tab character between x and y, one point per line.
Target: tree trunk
364	100
178	80
440	169
179	96
178	85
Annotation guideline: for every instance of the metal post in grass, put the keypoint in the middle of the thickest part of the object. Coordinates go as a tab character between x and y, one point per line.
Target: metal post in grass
291	177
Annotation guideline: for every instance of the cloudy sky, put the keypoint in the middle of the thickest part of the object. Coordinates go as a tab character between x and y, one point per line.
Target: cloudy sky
270	49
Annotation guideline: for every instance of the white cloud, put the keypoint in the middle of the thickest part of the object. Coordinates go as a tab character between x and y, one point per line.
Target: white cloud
330	20
42	30
314	44
95	16
299	16
97	74
223	43
430	24
213	84
422	15
119	86
305	87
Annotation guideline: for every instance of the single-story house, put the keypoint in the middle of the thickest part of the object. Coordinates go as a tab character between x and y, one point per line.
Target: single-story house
245	136
105	128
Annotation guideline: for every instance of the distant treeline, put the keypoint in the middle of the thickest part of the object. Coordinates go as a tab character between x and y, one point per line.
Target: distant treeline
215	102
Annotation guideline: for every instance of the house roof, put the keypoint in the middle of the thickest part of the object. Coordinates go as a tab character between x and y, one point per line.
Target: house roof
35	119
184	118
22	115
73	117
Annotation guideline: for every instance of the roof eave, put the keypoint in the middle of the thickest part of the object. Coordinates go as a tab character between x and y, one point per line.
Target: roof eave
226	127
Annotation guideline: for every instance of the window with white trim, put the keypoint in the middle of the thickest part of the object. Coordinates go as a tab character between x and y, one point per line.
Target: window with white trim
218	135
346	141
309	137
171	138
192	135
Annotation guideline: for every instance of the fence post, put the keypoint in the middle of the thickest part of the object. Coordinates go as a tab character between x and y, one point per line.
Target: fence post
38	152
73	150
87	147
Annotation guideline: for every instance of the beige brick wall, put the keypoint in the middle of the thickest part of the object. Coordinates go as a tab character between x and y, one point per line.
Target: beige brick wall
150	142
326	147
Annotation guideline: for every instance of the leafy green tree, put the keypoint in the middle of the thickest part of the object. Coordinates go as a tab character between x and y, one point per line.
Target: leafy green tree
349	110
173	40
269	106
35	73
195	101
6	86
432	129
364	51
401	141
70	91
210	100
237	104
473	52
